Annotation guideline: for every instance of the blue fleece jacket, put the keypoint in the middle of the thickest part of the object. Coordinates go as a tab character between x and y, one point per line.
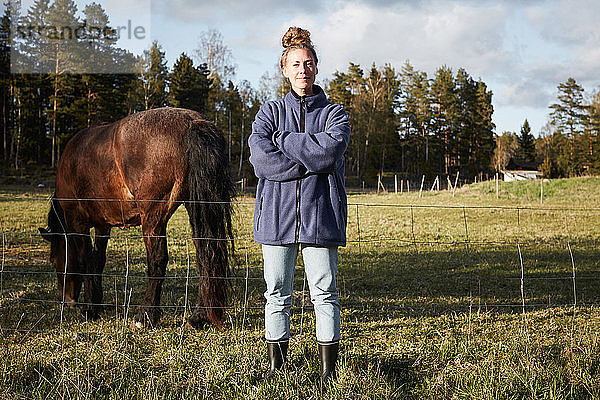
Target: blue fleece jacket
297	149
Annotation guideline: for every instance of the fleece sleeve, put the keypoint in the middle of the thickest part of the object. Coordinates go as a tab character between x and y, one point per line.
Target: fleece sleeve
268	161
318	152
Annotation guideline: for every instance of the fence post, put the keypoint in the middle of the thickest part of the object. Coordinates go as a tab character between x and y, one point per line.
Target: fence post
455	183
435	184
542	191
496	185
395	184
422	182
380	183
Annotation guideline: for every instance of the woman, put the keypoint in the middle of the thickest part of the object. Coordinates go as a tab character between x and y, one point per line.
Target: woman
297	149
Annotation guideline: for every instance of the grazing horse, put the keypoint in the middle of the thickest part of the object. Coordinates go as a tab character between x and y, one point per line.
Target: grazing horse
137	171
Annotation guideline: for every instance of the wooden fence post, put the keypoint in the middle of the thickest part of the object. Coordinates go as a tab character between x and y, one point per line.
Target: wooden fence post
455	183
497	191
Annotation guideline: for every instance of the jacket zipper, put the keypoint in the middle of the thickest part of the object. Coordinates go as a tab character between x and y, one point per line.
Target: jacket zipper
302	113
302	122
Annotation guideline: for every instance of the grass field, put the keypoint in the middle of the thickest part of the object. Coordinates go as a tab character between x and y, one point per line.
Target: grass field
443	297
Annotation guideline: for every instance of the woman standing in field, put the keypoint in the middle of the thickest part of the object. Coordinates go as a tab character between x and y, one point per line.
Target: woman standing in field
297	149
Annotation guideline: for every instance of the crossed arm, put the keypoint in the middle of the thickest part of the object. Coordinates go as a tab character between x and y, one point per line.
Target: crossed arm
284	155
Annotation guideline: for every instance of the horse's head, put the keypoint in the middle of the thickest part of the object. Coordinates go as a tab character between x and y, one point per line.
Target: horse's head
62	255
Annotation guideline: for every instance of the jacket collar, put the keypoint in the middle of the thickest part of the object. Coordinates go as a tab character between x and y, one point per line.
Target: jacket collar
316	99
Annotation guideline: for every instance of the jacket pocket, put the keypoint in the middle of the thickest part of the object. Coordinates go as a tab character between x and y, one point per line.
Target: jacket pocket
341	205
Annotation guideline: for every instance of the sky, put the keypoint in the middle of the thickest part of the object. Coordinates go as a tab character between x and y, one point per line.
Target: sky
522	49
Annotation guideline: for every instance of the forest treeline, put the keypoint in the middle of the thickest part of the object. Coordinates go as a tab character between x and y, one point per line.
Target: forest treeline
403	121
568	144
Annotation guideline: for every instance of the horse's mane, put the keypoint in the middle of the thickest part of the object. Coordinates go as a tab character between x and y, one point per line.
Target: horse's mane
99	123
55	216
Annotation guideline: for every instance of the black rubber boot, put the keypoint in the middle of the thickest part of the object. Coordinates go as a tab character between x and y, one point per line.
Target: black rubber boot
328	352
277	356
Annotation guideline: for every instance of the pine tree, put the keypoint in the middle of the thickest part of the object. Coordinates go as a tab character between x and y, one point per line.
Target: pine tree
6	81
569	113
444	115
526	144
594	115
466	132
570	119
340	92
101	95
189	85
484	137
416	116
347	89
150	89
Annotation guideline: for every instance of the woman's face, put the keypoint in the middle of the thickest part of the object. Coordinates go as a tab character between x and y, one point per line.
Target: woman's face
300	69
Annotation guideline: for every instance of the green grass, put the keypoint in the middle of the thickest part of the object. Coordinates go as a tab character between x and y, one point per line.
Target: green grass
430	287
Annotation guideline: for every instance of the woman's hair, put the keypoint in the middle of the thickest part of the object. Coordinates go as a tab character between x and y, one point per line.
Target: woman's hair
296	38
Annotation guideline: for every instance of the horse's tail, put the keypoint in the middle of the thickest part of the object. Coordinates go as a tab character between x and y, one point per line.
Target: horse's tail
211	190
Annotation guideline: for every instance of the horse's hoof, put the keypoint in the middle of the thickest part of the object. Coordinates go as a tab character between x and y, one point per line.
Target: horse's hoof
196	322
137	325
92	313
195	325
188	327
145	320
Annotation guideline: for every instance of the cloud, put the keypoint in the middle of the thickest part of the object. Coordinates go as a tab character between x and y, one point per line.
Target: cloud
523	92
567	22
431	35
191	10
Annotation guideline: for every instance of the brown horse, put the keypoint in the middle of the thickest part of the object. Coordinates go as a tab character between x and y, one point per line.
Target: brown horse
137	171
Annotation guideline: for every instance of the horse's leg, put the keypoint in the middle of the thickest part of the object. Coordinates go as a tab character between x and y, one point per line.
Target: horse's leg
157	256
86	261
96	269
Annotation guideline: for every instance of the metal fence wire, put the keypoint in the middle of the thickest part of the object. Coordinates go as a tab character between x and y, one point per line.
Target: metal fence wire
399	260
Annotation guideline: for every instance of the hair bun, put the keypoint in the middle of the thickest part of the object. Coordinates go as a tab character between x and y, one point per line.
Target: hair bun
296	36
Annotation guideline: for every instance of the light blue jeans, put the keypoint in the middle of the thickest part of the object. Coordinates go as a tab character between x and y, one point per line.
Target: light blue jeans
320	264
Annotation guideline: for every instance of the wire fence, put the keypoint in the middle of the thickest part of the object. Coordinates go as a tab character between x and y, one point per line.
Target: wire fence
400	259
